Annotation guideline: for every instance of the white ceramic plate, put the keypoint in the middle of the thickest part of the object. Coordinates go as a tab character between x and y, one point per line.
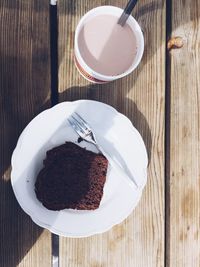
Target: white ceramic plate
114	133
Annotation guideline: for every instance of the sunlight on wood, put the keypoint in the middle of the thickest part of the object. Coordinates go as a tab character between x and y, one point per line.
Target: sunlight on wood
6	175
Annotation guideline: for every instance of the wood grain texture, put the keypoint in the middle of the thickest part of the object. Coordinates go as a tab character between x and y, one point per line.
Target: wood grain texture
184	224
24	92
139	240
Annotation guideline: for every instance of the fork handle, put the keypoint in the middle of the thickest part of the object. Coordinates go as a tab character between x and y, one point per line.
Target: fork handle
117	167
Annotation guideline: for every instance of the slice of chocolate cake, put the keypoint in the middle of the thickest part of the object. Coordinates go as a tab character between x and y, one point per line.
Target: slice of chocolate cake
72	177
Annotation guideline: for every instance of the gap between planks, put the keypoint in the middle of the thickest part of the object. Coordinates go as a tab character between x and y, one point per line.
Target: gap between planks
167	131
54	100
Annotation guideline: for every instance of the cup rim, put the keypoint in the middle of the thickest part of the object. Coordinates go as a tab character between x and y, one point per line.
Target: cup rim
140	51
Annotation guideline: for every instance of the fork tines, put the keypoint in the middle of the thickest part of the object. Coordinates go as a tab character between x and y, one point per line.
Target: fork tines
78	123
81	118
76	126
81	121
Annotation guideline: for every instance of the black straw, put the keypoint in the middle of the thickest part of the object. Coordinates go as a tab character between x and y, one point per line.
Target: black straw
127	11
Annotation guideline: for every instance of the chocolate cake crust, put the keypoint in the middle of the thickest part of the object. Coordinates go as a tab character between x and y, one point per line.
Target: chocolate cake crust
72	177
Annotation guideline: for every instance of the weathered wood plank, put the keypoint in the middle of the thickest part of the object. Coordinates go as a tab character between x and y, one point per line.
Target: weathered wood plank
139	240
184	235
24	91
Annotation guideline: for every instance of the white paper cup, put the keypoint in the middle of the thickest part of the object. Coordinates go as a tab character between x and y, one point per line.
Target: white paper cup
86	71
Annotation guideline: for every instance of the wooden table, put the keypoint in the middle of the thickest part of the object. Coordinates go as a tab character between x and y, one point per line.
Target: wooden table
162	100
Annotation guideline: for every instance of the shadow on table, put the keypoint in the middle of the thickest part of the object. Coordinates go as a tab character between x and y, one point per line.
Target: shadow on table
17	231
24	81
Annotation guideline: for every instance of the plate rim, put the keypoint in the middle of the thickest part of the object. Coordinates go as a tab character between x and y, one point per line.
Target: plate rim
50	227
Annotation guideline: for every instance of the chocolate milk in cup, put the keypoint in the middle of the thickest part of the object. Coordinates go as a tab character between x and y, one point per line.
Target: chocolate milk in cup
104	50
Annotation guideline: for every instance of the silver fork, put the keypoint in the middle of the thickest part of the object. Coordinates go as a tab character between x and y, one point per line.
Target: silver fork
83	129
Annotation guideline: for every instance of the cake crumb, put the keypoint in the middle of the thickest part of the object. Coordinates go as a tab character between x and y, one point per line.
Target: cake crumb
80	139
